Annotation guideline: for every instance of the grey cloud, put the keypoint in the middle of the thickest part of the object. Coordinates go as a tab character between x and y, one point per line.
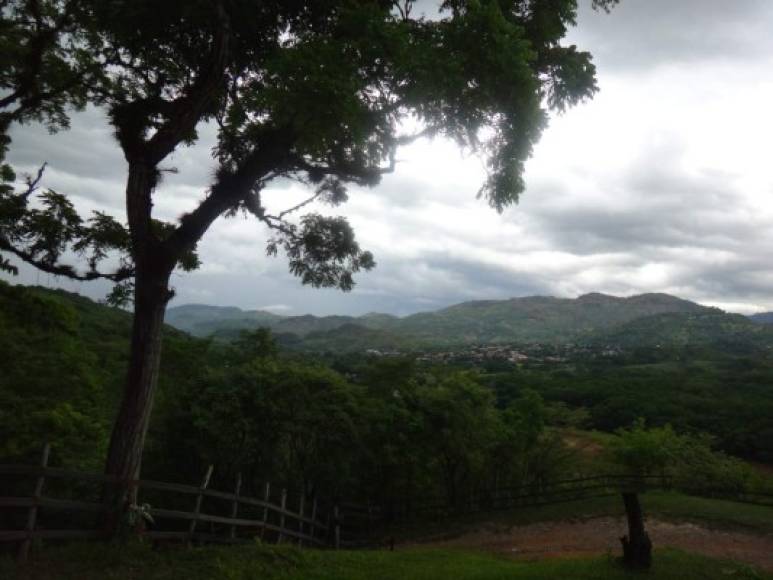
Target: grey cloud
646	225
641	34
86	149
651	203
698	228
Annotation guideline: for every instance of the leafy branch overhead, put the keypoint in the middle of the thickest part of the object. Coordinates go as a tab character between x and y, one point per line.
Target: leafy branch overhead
43	232
316	92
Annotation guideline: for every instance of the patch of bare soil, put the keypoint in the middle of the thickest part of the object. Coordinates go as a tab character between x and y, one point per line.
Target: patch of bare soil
583	445
602	535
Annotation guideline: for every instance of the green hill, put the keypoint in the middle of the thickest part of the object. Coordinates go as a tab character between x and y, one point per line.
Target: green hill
714	330
537	318
532	319
762	318
352	338
203	319
63	358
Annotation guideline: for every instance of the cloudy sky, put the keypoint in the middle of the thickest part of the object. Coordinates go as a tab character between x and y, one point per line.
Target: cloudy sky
662	183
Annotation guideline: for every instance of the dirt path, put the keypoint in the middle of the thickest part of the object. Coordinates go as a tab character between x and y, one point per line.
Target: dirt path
601	535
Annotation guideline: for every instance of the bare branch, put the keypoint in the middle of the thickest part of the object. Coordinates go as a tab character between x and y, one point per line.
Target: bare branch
32	184
304	203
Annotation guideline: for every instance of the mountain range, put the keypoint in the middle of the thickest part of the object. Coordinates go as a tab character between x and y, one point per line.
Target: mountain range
762	317
592	317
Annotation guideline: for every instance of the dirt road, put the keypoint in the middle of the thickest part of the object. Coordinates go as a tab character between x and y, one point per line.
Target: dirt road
601	535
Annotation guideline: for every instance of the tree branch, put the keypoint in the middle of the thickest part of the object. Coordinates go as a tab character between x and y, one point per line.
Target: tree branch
269	157
32	184
187	110
357	173
66	270
295	208
28	90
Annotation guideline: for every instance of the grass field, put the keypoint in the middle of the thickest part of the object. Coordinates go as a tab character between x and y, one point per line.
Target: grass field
98	562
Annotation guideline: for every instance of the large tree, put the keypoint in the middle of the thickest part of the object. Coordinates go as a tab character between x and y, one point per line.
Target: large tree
315	91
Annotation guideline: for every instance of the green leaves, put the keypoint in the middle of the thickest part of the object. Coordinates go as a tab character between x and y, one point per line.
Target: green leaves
688	459
322	252
319	92
42	227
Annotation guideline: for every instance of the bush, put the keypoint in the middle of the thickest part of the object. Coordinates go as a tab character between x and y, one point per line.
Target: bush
687	460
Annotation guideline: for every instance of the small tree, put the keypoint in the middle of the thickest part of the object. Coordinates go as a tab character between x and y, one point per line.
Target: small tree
314	91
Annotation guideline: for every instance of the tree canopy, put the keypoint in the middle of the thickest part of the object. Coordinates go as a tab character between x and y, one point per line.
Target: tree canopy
320	92
317	92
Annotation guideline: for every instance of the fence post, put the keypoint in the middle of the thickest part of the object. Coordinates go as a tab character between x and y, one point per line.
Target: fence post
32	514
235	505
199	498
266	497
337	537
301	527
282	517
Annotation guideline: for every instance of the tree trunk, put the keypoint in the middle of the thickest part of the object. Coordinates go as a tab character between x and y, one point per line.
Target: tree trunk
637	546
128	437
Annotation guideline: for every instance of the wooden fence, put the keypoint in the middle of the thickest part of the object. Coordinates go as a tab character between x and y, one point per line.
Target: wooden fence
199	514
213	516
554	492
368	526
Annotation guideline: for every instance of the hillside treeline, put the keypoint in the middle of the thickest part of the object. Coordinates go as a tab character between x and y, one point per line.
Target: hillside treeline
377	428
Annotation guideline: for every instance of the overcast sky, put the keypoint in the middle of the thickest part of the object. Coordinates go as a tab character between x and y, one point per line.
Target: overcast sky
662	183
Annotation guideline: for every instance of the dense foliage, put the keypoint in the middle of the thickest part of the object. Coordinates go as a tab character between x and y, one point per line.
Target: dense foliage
62	358
729	397
382	428
392	429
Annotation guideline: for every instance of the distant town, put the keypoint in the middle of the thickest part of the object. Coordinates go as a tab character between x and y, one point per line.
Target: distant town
515	354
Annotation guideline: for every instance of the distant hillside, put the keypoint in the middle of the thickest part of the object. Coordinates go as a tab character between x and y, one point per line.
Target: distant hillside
204	320
537	318
728	333
762	318
353	338
518	320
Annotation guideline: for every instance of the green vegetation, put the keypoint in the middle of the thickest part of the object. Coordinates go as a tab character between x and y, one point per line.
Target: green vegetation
63	359
282	563
316	92
641	329
320	93
384	432
518	320
377	428
729	397
687	460
382	428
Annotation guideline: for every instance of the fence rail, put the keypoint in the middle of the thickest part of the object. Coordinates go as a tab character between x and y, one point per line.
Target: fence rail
364	526
236	522
345	525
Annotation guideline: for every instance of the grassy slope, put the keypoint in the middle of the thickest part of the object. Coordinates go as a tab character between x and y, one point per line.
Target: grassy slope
93	562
